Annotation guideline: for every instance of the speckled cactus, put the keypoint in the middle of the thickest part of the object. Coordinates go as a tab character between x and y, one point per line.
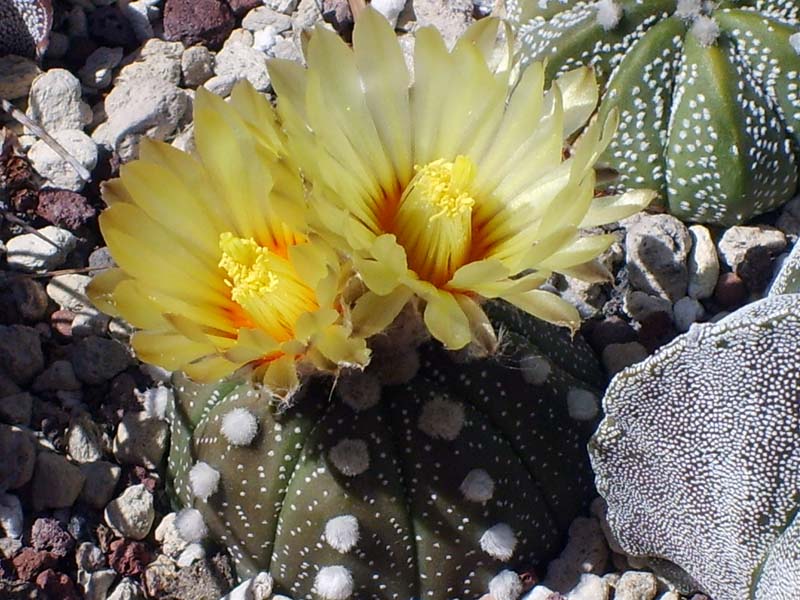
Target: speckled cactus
25	26
707	93
698	455
426	476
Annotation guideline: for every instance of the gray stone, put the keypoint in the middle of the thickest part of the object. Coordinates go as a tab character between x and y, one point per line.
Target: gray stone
11	517
390	9
97	359
29	252
57	170
16	75
620	356
306	16
287	49
17	408
451	18
738	241
590	587
89	557
21	354
131	514
59	376
636	585
197	66
243	62
586	552
286	7
101	480
657	248
139	15
172	544
7	385
127	589
98	70
85	441
56	482
703	263
96	585
54	102
19	457
157	58
640	305
140	440
685	312
221	85
69	291
263	17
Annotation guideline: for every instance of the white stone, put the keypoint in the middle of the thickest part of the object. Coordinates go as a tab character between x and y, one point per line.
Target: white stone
197	66
506	585
98	70
131	514
190	525
54	102
57	170
499	542
342	533
127	589
192	553
685	312
442	419
738	241
29	252
69	291
703	263
334	583
591	587
582	405
158	59
243	62
239	426
263	17
350	457
203	480
264	40
478	486
11	518
255	588
221	85
390	9
172	544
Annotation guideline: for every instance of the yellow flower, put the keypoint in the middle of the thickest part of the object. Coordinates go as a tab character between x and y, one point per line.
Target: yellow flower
216	265
450	185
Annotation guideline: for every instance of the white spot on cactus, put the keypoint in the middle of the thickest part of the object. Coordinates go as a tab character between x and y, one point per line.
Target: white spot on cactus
706	30
499	542
442	419
155	401
582	405
794	40
609	14
190	525
359	390
203	480
334	583
535	369
342	533
478	486
505	586
689	9
239	427
350	457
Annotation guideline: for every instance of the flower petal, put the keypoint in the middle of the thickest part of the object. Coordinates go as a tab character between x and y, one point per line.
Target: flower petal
548	307
608	209
579	95
374	313
101	290
169	350
446	321
281	377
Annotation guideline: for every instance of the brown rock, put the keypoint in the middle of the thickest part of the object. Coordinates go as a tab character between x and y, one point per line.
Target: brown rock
57	585
64	208
61	321
30	297
128	558
206	22
56	482
29	563
19	455
731	291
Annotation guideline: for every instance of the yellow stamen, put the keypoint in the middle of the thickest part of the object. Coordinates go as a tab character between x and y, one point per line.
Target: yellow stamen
434	218
265	285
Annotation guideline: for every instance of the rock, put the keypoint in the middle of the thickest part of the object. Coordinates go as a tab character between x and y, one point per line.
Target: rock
61	322
101	480
172	544
140	440
57	585
451	18
636	585
16	409
29	563
11	517
54	102
157	58
16	76
96	585
191	554
19	590
29	252
48	534
131	514
128	558
686	311
20	455
586	552
286	7
619	356
21	354
390	9
591	587
30	298
97	359
750	252
101	259
206	22
240	7
240	62
221	85
197	66
55	169
703	263
730	291
59	376
789	221
7	386
90	323
89	557
670	596
160	577
64	208
127	590
84	441
108	26
98	70
657	248
69	291
264	40
286	49
205	578
139	15
640	305
263	17
56	482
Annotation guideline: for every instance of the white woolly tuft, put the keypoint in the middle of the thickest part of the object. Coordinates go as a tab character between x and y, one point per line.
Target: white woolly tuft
359	390
239	427
505	586
582	405
477	486
794	40
203	480
155	401
334	583
190	525
499	542
689	9
706	30
350	457
535	369
342	533
442	419
609	13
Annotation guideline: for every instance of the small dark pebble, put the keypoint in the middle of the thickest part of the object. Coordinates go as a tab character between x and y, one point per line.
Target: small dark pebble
338	14
656	330
61	322
128	558
30	297
25	200
48	534
29	563
109	27
206	22
612	330
78	527
756	269
57	585
16	173
731	291
64	208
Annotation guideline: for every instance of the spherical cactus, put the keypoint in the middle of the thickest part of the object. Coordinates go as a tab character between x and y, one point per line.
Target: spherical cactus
707	93
25	26
429	475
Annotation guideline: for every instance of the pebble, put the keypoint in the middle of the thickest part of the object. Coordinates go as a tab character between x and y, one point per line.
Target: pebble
96	584
11	517
30	298
98	70
127	590
59	376
590	587
101	480
640	305
7	385
18	445
191	554
84	441
139	15
56	482
197	66
686	311
750	252
657	248
263	17
55	103
69	291
16	76
286	7
617	357
108	26
97	359
140	440
57	585
29	563
131	514
29	252
57	171
64	208
390	9
206	22
636	585
451	18
730	291
157	58
89	557
17	409
172	544
21	354
48	534
239	62
703	263
221	85
586	552
128	557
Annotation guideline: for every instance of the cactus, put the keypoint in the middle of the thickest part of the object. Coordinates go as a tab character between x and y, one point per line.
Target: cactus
429	475
707	94
698	456
25	26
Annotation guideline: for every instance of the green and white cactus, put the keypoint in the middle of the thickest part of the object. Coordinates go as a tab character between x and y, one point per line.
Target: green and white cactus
429	475
707	91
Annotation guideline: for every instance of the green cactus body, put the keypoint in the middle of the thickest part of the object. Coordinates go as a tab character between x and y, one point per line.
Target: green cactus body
707	94
427	488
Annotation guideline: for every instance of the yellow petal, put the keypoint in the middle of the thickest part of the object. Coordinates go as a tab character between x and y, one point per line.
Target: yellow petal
281	377
137	309
310	323
484	339
388	268
548	307
101	290
373	313
579	94
447	322
210	368
581	251
475	274
339	347
251	345
609	209
592	271
169	350
114	192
